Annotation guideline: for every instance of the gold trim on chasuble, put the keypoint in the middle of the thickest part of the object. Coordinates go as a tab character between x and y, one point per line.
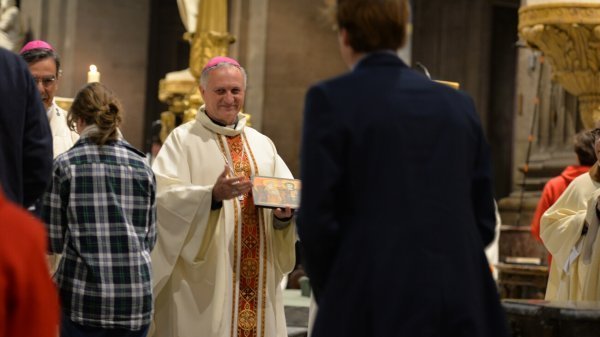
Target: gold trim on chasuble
247	285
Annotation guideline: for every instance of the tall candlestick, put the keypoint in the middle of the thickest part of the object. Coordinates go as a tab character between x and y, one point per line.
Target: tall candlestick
93	75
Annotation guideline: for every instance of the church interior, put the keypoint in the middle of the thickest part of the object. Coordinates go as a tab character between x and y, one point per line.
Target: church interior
532	68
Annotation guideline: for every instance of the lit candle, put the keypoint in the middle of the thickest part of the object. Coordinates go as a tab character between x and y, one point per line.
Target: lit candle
93	74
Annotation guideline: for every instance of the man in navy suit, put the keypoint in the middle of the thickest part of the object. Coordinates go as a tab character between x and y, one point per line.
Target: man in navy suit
25	138
397	203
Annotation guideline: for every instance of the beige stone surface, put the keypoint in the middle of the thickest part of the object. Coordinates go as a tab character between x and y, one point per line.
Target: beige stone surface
301	50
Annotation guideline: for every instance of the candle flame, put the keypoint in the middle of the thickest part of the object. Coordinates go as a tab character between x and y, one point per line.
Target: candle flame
93	68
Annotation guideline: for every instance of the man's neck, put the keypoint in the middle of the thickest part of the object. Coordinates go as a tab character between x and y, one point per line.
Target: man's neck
221	123
360	56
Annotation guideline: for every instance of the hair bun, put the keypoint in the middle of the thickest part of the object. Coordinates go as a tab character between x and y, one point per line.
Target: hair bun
113	108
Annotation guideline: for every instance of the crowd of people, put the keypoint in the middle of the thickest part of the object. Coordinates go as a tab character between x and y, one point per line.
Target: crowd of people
98	199
396	206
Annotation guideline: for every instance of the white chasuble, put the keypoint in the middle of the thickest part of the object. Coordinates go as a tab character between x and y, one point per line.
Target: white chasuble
217	273
575	269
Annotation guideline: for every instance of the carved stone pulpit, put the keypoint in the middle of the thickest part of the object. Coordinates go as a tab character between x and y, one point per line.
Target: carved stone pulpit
568	33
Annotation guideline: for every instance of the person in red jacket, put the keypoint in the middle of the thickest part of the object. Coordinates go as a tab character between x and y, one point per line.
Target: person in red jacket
28	297
586	157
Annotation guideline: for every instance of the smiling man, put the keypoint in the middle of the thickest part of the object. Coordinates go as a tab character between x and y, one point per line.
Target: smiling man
219	259
44	65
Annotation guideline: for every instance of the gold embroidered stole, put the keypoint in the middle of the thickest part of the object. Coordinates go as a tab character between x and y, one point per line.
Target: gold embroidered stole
251	281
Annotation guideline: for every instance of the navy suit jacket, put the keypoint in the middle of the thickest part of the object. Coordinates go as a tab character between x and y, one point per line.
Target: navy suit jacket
397	206
25	137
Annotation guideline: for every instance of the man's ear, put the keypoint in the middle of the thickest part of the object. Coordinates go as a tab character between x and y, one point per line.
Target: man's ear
345	40
201	91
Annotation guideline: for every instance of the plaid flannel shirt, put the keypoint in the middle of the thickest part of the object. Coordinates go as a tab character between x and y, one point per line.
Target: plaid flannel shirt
101	215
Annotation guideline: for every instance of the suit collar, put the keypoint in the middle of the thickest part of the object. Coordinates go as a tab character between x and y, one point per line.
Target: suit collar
382	57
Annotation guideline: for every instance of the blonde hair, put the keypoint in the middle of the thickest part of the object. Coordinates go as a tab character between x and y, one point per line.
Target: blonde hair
95	104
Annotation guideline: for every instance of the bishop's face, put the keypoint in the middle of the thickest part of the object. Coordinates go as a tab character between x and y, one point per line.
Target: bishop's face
224	94
46	77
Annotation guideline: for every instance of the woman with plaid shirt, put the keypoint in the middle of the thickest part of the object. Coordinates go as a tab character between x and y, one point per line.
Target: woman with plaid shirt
101	215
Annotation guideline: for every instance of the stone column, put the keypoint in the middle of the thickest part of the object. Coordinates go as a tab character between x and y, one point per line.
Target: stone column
256	55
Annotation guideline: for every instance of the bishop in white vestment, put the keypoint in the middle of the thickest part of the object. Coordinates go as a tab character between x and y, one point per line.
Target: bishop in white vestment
218	263
569	230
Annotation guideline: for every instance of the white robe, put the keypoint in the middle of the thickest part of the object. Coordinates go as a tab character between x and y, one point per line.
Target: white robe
575	265
195	282
62	137
62	140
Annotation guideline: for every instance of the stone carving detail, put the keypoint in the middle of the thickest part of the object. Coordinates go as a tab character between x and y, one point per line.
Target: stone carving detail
569	37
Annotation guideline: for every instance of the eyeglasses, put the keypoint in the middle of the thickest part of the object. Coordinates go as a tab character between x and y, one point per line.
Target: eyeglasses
46	81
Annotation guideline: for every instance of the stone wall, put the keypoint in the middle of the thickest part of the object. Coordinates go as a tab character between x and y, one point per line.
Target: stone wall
298	48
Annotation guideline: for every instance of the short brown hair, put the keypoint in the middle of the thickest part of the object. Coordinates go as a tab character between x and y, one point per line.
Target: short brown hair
96	104
373	24
584	147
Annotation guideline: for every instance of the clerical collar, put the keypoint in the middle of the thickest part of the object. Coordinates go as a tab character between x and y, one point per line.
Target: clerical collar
211	124
232	126
51	110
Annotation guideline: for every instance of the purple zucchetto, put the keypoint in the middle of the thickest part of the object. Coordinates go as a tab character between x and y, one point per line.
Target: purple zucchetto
36	44
220	59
